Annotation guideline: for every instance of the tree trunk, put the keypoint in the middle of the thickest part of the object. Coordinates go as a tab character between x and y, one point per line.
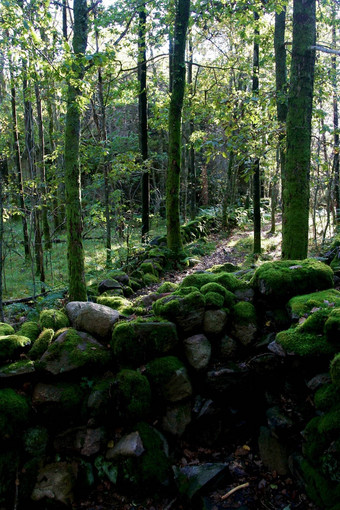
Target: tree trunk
191	155
297	168
143	120
256	163
336	159
75	251
175	113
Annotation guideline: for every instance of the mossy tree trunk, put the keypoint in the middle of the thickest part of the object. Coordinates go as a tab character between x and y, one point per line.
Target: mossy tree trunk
281	101
336	158
143	120
175	115
297	166
192	181
256	163
75	251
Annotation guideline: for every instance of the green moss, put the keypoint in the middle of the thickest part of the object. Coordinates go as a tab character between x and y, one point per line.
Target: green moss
304	344
30	329
213	287
214	300
148	267
53	319
14	413
244	313
135	285
335	370
72	395
18	367
332	326
59	332
286	278
12	345
324	493
150	279
227	280
302	305
184	291
330	423
315	444
134	395
119	303
40	345
228	267
167	287
6	329
9	462
160	371
174	306
128	291
327	397
35	441
315	322
155	465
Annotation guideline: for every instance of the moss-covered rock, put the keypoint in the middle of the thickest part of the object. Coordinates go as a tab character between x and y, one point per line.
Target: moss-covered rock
55	402
324	492
73	350
12	346
314	323
14	413
29	329
22	368
227	267
332	326
6	329
244	322
283	279
35	441
150	279
327	397
137	342
41	344
304	344
9	463
335	370
187	312
213	287
214	300
53	319
167	287
299	306
168	378
134	395
227	280
123	305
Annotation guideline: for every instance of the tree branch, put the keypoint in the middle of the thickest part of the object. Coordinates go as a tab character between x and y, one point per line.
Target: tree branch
324	49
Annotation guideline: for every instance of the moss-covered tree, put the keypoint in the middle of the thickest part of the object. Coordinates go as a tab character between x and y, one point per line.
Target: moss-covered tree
175	115
296	175
75	251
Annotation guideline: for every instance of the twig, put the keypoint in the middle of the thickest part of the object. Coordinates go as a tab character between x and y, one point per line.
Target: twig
243	486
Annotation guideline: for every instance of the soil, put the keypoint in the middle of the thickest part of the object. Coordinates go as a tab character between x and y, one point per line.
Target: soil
249	486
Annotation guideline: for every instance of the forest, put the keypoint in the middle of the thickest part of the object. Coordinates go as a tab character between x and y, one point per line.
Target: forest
169	254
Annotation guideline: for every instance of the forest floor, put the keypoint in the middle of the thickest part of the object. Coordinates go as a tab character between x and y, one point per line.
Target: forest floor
264	490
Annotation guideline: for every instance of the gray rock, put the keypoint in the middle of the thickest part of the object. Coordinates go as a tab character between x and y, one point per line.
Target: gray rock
245	333
55	483
197	351
273	452
17	369
93	318
228	379
82	440
277	349
128	446
228	348
178	387
177	419
318	381
278	421
109	284
245	294
214	321
191	479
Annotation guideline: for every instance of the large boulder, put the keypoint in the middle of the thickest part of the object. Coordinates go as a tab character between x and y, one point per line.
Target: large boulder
73	350
11	346
93	318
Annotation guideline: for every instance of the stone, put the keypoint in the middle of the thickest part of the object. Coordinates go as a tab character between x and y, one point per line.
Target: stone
245	294
55	483
318	380
130	445
265	364
176	419
278	421
57	399
228	379
191	479
214	321
73	350
273	452
276	348
198	351
228	348
17	369
82	440
244	322
93	318
178	387
108	284
186	312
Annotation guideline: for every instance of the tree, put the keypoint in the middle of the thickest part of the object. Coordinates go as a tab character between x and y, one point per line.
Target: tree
175	113
256	164
143	118
296	187
75	251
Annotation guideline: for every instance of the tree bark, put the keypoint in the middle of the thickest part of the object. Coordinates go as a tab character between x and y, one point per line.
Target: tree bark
175	113
336	149
143	120
75	251
191	153
256	163
297	168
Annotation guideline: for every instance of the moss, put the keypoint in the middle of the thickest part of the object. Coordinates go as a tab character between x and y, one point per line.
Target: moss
228	267
18	367
327	397
230	282
214	300
53	319
148	267
304	344
41	344
134	395
174	306
128	291
335	370
35	441
155	465
302	305
14	413
72	395
213	287
184	291
244	313
134	284
59	332
6	329
167	287
329	424
121	304
324	493
9	462
150	279
315	322
160	371
315	444
198	280
30	329
286	278
12	345
332	326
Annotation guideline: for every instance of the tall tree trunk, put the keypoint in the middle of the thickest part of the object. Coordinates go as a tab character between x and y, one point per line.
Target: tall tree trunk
256	163
175	113
143	120
191	155
336	157
297	168
75	251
